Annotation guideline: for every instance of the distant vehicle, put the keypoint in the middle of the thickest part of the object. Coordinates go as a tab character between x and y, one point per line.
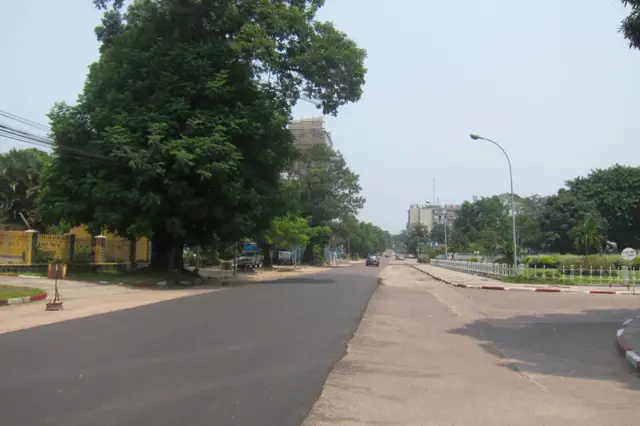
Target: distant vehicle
399	257
285	258
386	255
250	260
373	261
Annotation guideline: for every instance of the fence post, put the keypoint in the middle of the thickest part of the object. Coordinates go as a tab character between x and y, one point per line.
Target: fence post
32	247
70	248
100	247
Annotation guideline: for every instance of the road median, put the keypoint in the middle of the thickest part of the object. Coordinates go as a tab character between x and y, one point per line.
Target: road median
628	339
13	295
478	282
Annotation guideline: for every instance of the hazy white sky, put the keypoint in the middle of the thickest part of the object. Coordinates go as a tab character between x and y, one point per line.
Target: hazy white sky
551	80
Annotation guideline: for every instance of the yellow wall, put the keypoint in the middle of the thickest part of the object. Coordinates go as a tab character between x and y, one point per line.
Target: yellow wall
16	247
116	248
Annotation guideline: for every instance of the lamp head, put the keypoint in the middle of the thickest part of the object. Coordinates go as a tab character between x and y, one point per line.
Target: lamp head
475	136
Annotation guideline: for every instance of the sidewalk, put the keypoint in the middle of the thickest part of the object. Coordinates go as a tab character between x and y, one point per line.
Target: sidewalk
261	274
461	279
80	299
413	362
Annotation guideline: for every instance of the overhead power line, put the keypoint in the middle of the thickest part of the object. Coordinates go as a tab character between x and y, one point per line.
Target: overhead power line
42	141
25	121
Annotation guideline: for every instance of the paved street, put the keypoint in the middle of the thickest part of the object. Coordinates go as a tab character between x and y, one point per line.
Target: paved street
427	353
252	355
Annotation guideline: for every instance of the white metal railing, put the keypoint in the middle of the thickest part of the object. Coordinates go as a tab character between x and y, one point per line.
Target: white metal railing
608	276
478	268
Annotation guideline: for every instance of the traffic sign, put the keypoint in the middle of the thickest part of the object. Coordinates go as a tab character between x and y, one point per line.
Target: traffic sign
629	254
250	247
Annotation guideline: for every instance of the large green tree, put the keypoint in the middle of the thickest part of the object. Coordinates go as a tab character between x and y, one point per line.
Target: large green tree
615	192
20	171
364	238
325	188
484	225
418	237
184	117
562	213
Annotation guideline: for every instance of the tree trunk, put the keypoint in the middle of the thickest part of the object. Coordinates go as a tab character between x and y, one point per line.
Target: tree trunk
267	260
166	255
132	251
307	256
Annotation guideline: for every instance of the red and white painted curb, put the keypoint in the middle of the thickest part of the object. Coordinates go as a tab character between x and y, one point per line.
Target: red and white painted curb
19	300
631	356
536	289
573	290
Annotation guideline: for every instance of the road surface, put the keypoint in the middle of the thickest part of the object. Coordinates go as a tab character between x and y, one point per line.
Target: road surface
253	355
430	354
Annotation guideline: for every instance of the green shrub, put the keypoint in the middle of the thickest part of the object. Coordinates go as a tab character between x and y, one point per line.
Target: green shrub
473	259
81	254
190	258
43	256
542	261
585	266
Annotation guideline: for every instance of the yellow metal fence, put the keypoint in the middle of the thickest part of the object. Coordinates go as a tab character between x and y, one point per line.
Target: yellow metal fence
28	248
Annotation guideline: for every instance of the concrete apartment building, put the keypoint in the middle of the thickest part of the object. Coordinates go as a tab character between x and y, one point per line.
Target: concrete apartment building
430	215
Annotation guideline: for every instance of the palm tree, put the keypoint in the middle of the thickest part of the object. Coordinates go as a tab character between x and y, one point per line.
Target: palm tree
585	234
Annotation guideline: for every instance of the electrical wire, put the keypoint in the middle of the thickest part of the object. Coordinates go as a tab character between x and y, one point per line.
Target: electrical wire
33	139
24	121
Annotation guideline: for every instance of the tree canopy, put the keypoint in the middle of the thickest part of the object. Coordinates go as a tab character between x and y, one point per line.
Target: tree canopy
631	24
325	187
361	238
184	117
19	186
591	210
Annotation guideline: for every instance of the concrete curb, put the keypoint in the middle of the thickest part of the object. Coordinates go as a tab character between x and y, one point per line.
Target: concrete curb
630	355
529	289
19	300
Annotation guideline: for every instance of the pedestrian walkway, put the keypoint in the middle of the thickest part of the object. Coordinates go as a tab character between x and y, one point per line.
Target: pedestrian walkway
80	299
461	279
426	354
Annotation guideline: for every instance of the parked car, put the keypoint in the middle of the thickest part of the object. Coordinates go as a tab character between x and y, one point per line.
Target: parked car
373	261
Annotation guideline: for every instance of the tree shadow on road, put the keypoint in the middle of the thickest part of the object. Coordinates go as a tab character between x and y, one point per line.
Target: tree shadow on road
567	345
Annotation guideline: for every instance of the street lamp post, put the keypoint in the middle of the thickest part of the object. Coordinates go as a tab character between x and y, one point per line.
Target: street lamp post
446	241
475	136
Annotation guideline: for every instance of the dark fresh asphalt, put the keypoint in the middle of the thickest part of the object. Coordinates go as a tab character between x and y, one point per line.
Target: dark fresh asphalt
253	355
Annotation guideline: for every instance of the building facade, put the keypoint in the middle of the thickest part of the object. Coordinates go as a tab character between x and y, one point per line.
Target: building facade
431	215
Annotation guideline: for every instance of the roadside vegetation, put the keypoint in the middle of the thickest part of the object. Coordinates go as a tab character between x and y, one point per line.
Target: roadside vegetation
9	291
181	135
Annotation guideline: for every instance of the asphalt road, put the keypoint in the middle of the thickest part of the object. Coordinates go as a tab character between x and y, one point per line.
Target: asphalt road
253	355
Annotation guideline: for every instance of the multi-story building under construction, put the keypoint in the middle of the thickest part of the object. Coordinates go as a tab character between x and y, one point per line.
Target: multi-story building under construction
308	132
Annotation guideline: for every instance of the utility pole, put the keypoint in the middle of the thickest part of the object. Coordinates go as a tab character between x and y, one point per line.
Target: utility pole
235	258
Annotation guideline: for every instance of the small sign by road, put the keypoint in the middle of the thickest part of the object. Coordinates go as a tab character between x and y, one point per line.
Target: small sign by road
629	254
